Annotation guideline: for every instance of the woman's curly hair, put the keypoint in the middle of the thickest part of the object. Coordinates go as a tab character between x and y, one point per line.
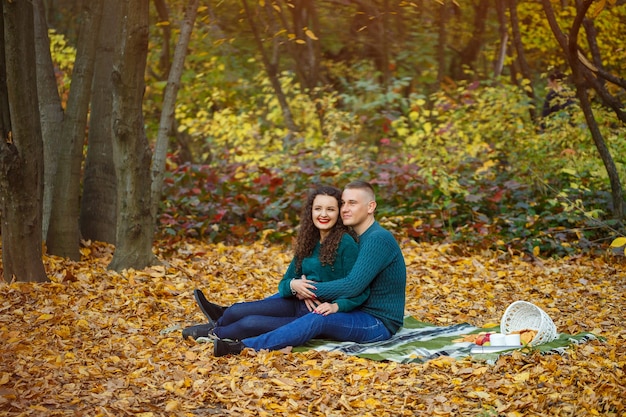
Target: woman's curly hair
309	235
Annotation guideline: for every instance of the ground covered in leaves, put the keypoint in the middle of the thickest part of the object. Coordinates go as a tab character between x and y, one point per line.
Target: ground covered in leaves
94	342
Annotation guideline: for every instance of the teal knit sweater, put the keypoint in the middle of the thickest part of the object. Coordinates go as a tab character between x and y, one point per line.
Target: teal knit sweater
380	266
347	253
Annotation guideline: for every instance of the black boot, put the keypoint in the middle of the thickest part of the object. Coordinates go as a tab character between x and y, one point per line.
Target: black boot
223	347
199	330
212	311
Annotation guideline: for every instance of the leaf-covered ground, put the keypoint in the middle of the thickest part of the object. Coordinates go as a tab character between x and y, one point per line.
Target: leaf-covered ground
96	343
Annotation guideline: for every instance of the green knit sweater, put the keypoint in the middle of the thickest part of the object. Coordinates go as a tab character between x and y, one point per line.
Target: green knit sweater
347	253
380	266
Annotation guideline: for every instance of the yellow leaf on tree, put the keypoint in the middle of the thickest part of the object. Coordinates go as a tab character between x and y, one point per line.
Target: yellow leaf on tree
310	34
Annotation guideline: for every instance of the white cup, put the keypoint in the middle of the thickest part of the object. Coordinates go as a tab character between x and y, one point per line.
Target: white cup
512	339
497	339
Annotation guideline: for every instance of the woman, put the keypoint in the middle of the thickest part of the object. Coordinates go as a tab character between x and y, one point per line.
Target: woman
325	250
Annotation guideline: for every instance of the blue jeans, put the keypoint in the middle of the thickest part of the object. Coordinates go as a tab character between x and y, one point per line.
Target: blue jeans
354	326
253	318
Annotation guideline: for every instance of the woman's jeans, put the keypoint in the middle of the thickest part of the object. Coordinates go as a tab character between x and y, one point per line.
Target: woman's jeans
253	318
354	326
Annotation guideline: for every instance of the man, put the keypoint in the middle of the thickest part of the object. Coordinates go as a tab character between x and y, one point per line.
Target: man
558	98
379	266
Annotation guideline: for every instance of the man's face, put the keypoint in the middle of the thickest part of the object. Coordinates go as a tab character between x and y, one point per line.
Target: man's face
355	208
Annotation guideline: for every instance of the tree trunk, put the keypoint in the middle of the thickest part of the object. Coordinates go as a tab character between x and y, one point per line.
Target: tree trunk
5	115
582	76
469	54
183	153
63	237
271	67
131	151
498	62
99	201
166	125
306	51
50	109
617	192
164	59
21	149
521	56
578	74
442	40
383	29
373	16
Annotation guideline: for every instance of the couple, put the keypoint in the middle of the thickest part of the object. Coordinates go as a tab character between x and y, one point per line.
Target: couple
329	291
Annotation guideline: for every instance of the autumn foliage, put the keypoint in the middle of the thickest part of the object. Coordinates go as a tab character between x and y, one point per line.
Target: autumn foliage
94	342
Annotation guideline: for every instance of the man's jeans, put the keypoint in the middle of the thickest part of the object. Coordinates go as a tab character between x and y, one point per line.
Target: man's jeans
253	318
354	326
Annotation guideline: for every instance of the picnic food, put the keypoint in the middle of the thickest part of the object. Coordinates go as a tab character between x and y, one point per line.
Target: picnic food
467	338
483	339
477	338
526	335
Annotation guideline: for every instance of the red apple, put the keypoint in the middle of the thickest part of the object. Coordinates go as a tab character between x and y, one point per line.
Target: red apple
482	338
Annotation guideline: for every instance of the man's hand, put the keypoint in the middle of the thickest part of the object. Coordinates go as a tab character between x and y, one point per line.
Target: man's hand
303	288
326	308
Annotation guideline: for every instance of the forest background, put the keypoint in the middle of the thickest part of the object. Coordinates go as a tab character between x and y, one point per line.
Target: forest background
437	103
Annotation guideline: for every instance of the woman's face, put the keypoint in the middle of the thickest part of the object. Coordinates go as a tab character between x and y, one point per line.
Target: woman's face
325	212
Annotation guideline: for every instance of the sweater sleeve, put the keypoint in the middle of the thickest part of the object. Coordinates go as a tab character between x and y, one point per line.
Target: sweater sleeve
283	286
346	257
349	304
376	252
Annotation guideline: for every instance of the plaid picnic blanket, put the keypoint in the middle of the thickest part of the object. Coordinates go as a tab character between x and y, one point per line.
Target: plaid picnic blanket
419	342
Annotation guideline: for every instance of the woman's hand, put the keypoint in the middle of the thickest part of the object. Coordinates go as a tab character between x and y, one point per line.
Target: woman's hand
303	288
326	308
311	305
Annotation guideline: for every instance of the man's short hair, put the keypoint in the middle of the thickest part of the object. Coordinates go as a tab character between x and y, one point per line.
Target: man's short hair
361	185
556	76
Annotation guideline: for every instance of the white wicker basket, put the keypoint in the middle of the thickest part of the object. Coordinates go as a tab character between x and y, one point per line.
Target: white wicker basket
522	315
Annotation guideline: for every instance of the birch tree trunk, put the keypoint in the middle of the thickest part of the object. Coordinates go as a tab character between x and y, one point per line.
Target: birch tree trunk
167	125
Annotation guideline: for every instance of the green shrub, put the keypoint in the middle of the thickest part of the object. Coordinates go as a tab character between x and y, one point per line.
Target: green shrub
466	166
